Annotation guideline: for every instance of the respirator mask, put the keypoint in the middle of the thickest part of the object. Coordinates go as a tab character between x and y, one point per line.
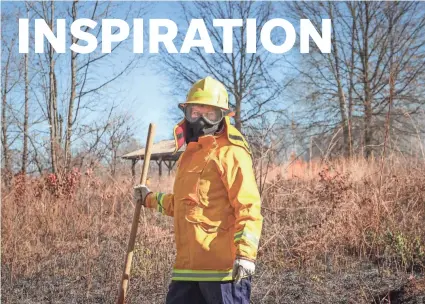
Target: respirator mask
199	123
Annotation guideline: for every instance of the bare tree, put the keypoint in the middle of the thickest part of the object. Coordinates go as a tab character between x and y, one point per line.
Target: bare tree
247	76
10	75
359	67
5	91
106	141
82	68
325	72
48	14
73	92
26	116
391	33
85	91
268	141
119	133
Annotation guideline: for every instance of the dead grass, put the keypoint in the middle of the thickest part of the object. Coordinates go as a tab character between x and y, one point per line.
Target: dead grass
64	241
350	208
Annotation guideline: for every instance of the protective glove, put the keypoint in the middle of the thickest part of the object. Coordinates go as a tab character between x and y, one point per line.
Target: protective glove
242	268
140	194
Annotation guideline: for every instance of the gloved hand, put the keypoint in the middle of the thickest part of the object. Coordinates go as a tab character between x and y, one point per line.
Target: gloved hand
140	194
242	268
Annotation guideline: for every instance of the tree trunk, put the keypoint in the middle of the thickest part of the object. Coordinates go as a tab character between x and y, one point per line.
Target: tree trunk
114	157
72	97
367	124
341	96
351	85
366	87
160	168
25	142
53	122
7	169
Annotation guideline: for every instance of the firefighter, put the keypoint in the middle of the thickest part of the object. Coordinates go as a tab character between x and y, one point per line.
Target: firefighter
215	203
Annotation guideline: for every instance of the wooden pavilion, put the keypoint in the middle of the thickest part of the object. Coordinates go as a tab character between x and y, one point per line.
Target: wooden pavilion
162	153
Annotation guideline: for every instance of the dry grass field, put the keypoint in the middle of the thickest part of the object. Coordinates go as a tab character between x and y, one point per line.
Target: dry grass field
344	232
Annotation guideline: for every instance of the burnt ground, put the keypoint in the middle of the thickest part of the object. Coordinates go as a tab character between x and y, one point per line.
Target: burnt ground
362	284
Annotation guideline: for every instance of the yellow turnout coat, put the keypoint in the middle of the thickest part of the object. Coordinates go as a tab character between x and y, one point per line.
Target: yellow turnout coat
215	204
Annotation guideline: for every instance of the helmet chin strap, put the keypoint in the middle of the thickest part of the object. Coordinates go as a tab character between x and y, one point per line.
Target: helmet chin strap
200	128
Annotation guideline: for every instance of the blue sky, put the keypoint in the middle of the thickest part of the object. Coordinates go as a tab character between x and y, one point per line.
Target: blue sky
145	92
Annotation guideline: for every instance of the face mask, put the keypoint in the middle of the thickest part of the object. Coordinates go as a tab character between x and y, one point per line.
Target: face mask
200	128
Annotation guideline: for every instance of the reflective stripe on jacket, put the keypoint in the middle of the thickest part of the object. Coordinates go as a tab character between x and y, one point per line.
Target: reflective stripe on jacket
215	204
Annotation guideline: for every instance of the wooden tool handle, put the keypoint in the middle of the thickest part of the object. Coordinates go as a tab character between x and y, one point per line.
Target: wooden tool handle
133	234
148	152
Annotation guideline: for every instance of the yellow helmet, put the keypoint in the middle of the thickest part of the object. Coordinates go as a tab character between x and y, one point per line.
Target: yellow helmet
208	91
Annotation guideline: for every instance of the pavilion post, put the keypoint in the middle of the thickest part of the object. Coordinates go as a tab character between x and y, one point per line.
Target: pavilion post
133	168
159	163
